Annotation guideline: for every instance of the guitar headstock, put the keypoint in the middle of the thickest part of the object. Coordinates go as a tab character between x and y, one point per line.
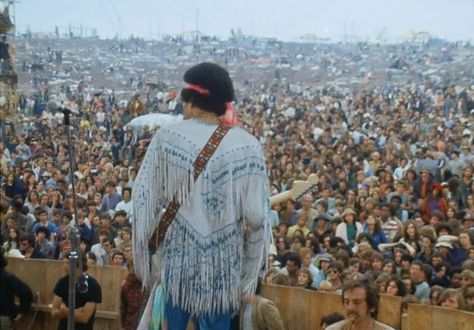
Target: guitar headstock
299	188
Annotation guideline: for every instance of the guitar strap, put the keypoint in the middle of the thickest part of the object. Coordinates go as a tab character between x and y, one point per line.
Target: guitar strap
200	163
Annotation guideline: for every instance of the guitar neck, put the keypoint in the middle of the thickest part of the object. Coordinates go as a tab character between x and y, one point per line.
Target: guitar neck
281	197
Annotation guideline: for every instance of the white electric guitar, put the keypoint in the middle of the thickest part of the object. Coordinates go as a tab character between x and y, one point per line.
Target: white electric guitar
298	189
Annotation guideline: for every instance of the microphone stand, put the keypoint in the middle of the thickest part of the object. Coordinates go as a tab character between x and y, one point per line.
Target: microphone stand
75	261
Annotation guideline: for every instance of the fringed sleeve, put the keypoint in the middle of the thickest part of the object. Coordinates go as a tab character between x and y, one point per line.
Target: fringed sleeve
256	211
165	172
145	209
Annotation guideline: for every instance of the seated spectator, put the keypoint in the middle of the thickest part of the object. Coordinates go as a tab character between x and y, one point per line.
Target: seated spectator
124	237
469	297
292	265
42	221
102	250
117	258
42	244
453	299
467	279
349	229
420	273
435	292
381	283
306	260
281	279
304	278
301	225
13	241
27	247
334	275
395	287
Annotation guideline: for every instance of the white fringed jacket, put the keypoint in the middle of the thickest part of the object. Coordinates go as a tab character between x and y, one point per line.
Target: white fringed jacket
218	242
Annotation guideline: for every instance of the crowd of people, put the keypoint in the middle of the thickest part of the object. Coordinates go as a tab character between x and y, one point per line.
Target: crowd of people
394	202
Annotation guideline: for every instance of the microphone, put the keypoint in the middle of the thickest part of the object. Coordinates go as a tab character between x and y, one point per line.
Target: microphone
54	105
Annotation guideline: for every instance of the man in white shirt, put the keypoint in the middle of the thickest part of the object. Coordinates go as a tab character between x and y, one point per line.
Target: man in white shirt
126	204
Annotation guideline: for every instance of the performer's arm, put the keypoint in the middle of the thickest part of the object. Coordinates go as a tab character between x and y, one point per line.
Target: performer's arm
83	314
59	310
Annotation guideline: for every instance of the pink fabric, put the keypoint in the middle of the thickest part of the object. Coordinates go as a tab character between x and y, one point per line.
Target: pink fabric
197	88
230	116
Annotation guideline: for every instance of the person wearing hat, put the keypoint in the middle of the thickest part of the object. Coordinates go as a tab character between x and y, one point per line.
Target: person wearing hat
349	228
423	184
322	263
451	253
322	225
233	186
468	221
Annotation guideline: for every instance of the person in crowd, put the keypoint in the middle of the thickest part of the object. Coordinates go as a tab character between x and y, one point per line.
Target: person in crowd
13	241
126	204
111	198
307	262
131	295
395	287
334	275
322	263
453	299
420	274
259	313
42	221
304	278
293	264
28	247
349	229
301	225
42	244
361	303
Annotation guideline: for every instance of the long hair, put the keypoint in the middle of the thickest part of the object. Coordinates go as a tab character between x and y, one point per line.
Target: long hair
372	295
216	85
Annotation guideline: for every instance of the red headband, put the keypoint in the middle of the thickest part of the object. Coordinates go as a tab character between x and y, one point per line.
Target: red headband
197	88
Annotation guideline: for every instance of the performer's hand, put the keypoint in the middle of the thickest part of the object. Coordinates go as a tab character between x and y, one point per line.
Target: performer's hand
64	310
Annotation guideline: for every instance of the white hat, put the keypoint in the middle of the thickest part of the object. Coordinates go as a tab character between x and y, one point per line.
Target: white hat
444	244
444	241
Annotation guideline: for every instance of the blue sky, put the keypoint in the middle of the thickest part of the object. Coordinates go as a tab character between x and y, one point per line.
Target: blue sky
272	18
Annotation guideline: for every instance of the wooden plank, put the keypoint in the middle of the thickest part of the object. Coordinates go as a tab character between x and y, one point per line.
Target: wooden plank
438	318
390	309
41	275
304	309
